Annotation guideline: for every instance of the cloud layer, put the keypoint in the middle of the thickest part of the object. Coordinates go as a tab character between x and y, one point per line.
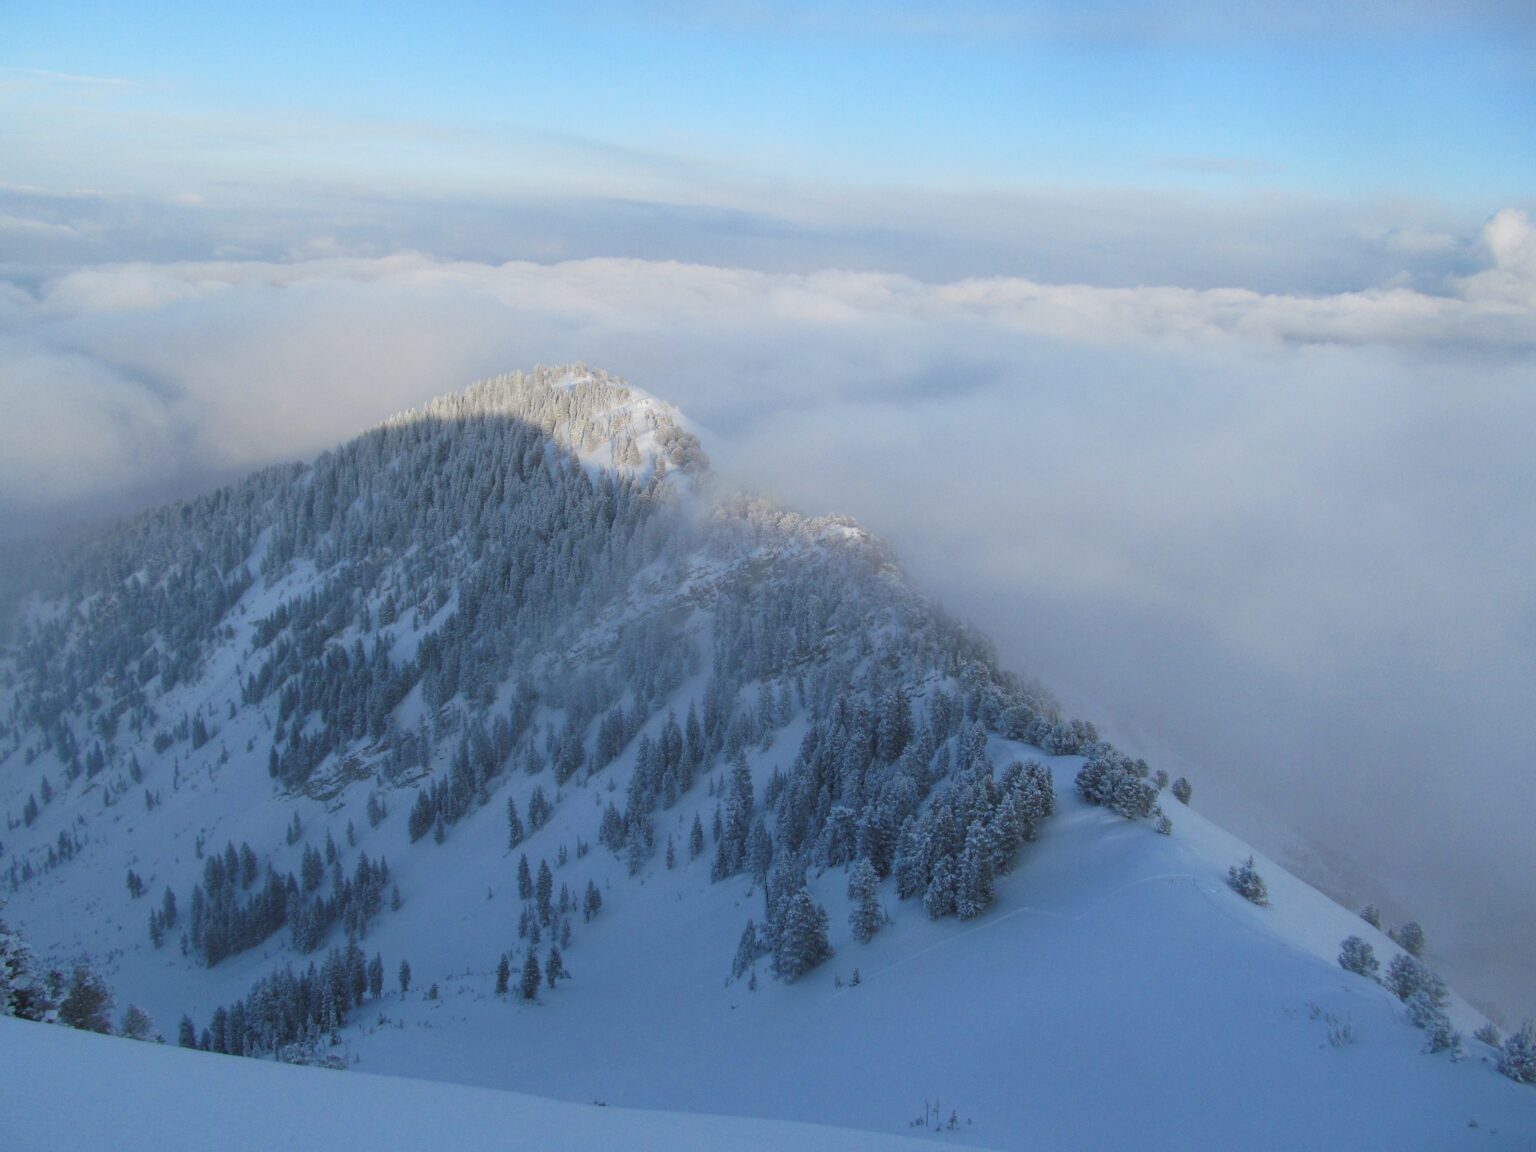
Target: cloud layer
1279	539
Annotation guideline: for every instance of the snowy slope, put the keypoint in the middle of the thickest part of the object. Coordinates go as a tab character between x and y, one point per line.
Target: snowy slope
151	1099
1117	994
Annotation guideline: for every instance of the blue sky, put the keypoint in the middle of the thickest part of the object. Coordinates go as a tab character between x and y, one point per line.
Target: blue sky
1416	100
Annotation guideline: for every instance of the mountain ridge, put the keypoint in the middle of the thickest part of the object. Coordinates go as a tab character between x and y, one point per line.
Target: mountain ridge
472	605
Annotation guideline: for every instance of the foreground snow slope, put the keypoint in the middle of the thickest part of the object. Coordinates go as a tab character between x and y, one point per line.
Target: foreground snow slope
1118	995
74	1092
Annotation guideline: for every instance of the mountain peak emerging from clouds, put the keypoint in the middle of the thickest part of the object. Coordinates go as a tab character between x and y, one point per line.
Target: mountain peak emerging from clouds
605	421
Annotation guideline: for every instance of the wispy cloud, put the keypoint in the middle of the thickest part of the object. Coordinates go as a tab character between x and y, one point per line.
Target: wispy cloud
1217	165
35	77
1113	21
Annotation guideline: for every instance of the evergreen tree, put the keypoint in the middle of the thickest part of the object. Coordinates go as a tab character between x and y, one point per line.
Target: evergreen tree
514	824
1245	880
696	838
592	902
136	1024
638	843
800	939
973	889
554	966
865	917
23	992
405	977
544	890
531	976
1404	977
1426	1010
503	975
524	878
1517	1056
87	1003
1355	955
1410	938
939	897
419	822
747	951
758	855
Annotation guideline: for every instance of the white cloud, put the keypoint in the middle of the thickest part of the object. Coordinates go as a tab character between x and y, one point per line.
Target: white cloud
63	437
1510	239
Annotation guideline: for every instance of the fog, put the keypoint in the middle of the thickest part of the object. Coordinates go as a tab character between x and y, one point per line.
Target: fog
1278	537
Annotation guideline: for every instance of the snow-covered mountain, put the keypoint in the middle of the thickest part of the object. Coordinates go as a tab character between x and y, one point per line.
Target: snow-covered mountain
517	673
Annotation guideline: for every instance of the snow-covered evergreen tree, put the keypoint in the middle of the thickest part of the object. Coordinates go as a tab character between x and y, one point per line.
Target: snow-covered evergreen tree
87	1001
1410	938
23	992
800	936
532	976
1517	1056
1245	880
866	916
1355	955
1404	976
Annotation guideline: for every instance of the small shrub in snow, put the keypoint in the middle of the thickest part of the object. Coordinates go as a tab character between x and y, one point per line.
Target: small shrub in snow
1355	955
1341	1033
307	1054
1164	825
1247	883
1488	1035
1371	915
1182	790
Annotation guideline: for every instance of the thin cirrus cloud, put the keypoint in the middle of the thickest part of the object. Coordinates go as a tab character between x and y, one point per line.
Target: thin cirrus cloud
1278	539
